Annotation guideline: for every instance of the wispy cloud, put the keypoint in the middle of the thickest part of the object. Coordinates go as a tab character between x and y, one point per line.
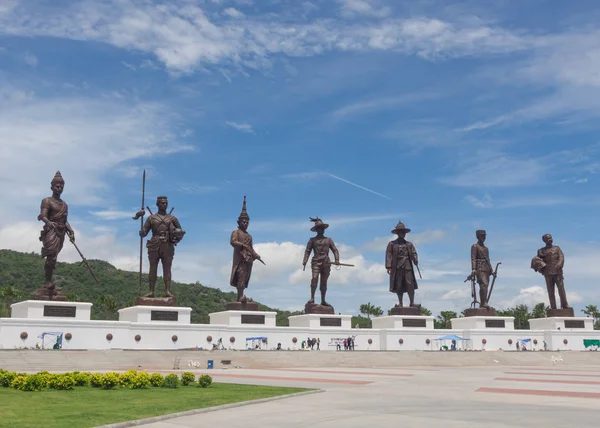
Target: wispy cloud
196	189
112	215
358	186
426	237
334	222
316	175
242	127
352	8
480	202
377	104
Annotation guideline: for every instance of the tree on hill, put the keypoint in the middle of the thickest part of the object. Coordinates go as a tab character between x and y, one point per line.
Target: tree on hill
10	295
25	271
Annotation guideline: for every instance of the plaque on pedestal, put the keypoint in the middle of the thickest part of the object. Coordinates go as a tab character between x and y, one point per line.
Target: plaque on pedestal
51	309
399	322
244	318
313	308
483	323
242	306
562	323
156	314
321	321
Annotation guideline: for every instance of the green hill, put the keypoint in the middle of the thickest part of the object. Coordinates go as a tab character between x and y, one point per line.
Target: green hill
25	273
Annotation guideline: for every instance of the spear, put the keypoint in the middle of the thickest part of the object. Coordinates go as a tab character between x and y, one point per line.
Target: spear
140	214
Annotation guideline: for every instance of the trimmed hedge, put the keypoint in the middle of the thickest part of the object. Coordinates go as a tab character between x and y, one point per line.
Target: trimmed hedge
112	380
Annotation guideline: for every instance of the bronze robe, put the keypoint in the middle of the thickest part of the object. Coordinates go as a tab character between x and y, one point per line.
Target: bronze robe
399	257
53	239
243	259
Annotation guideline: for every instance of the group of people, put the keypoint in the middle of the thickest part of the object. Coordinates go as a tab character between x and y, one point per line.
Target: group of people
311	343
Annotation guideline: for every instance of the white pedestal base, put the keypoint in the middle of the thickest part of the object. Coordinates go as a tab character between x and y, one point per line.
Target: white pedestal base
321	321
401	322
245	318
51	309
562	323
483	323
156	314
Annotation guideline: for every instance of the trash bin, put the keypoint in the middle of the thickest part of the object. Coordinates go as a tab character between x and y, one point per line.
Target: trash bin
210	364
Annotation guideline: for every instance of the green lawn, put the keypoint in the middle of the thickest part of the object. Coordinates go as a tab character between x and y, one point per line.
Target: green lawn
89	407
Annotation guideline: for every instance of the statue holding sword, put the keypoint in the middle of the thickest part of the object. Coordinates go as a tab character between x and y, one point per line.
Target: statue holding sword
481	270
320	264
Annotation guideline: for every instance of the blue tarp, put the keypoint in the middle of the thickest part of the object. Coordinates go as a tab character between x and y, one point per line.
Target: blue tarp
525	340
451	337
256	338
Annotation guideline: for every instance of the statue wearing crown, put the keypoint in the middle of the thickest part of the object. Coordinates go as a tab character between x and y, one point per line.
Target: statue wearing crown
243	259
54	212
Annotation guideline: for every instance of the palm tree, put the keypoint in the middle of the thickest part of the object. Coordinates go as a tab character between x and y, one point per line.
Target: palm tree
539	311
368	309
443	320
10	294
592	311
110	305
425	311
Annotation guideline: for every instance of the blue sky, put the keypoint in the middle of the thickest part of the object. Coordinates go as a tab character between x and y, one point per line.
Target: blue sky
363	112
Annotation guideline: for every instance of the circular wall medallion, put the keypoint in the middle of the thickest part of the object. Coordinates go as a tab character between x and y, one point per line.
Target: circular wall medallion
535	341
427	341
68	336
232	339
510	341
174	338
294	339
370	341
24	335
483	341
565	341
109	336
209	338
138	337
400	341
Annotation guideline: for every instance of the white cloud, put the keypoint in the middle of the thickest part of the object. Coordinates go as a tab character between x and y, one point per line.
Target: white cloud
533	295
112	215
233	13
363	8
30	59
242	127
484	202
183	38
73	135
426	237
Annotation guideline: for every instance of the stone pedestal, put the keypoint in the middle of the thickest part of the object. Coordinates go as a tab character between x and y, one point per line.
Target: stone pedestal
156	301
156	314
321	321
313	308
51	310
400	322
239	306
244	318
483	323
406	310
562	323
564	313
480	312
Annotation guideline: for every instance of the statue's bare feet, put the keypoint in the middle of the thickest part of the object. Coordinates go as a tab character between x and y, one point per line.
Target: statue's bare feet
311	302
243	299
415	305
169	294
151	294
49	285
324	303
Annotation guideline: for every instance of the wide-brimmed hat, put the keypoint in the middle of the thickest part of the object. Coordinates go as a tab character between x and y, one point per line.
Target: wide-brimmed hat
401	228
318	224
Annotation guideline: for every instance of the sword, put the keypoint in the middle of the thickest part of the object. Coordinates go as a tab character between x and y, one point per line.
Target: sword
84	260
419	270
493	281
342	264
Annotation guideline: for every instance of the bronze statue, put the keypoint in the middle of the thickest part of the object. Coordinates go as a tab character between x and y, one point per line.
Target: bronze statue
243	256
481	269
166	234
54	212
320	263
550	261
400	256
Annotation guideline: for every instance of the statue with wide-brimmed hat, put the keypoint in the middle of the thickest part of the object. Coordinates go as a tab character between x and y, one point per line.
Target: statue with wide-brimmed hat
320	265
400	256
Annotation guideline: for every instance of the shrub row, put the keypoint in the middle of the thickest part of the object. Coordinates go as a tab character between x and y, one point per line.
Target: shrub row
66	381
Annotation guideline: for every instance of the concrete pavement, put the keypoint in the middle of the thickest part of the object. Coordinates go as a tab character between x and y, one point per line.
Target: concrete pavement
458	397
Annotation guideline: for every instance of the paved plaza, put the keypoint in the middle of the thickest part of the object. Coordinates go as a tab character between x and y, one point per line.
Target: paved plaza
496	396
